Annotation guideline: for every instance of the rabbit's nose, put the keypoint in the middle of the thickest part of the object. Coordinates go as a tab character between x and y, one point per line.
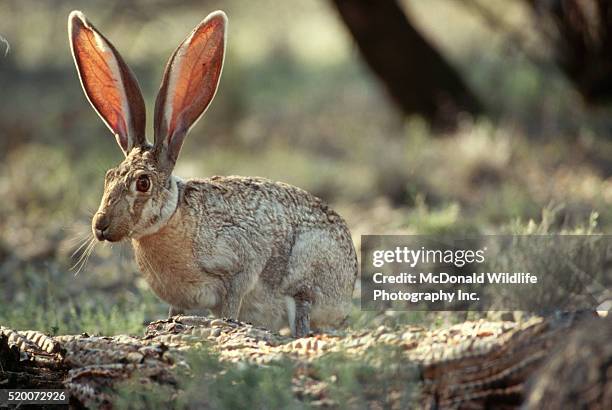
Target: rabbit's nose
101	224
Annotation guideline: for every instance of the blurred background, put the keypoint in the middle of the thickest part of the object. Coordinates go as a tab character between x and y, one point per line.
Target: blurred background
438	116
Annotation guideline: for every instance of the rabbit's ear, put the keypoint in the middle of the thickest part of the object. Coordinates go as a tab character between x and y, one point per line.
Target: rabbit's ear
190	83
109	84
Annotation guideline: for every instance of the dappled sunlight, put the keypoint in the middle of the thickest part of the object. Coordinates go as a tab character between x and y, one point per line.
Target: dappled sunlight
297	103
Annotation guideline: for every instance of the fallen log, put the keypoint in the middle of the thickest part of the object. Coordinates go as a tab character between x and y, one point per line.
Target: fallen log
475	364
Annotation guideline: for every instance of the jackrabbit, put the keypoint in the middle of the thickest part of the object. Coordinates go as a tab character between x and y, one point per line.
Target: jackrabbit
246	248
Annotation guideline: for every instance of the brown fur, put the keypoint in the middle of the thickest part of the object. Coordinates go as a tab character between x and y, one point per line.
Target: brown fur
247	248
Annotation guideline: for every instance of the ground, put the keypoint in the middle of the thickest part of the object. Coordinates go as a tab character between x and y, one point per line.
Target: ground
213	363
294	105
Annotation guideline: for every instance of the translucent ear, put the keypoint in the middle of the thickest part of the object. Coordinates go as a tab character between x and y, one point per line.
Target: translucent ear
109	84
190	83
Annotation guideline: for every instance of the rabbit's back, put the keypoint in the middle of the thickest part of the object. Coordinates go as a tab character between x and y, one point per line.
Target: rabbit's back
259	199
289	237
267	215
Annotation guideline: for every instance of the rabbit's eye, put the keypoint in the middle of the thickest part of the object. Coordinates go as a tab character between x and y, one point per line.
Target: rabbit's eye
143	183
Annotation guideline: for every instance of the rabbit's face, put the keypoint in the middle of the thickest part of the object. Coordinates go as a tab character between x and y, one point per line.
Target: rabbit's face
138	199
140	195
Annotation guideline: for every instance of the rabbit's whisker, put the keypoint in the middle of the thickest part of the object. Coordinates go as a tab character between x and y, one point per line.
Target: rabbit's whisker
84	257
89	252
153	272
77	265
85	241
80	236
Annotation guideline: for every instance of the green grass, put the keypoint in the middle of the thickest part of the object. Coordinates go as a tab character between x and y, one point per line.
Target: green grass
293	107
382	376
209	383
57	306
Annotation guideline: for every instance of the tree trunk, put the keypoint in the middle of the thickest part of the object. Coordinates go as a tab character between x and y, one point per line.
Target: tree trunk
416	75
581	37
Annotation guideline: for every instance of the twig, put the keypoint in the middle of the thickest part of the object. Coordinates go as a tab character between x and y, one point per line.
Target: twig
6	43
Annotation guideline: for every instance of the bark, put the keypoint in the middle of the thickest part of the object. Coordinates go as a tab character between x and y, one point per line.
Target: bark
579	374
418	78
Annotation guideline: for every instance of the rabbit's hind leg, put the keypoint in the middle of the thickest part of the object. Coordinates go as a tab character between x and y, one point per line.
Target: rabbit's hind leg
303	304
320	279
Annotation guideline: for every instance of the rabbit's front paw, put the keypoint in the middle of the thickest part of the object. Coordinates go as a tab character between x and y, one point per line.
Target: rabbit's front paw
230	308
173	311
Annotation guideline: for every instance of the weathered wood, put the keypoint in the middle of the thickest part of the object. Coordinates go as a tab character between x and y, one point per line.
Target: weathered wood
26	367
579	373
471	365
